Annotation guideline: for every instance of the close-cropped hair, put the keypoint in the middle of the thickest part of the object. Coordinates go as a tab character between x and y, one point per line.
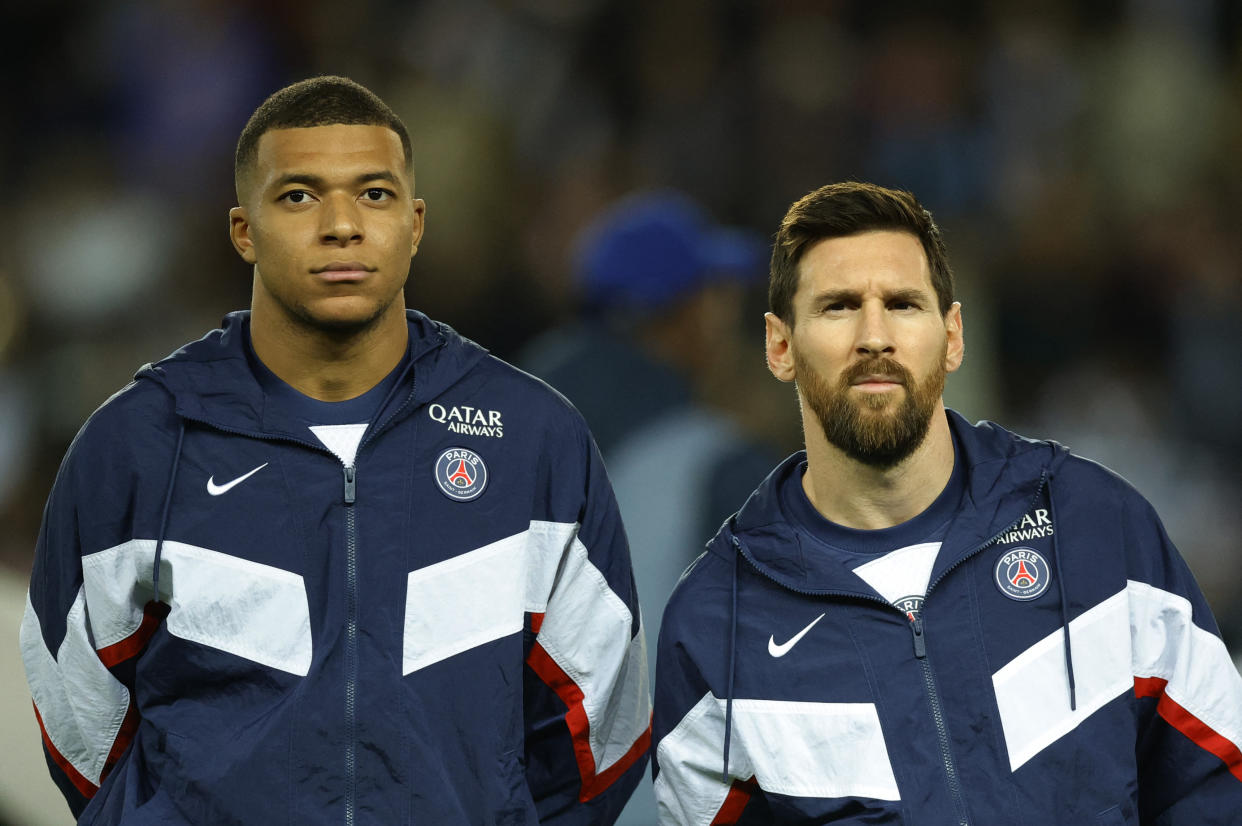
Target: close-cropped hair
318	101
843	209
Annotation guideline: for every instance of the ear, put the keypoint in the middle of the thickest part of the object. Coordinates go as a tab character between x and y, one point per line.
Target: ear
778	339
955	351
420	214
239	234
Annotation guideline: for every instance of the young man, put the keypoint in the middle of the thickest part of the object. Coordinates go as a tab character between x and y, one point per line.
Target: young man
918	620
333	563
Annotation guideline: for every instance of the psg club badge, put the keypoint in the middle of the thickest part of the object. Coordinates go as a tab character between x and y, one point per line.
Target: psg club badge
1022	574
911	605
461	474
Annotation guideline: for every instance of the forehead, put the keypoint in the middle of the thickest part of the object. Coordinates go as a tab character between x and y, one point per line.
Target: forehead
875	260
340	148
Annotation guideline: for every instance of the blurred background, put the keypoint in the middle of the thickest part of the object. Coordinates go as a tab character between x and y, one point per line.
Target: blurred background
1081	158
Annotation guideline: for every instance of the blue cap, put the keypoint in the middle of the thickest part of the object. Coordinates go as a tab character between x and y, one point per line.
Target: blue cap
650	249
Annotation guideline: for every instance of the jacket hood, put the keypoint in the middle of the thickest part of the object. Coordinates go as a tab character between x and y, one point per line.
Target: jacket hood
211	379
1004	472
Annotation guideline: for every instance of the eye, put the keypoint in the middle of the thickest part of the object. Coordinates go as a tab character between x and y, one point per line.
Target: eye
377	194
838	306
295	196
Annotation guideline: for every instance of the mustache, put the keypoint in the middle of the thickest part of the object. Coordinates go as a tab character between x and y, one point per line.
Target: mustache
887	368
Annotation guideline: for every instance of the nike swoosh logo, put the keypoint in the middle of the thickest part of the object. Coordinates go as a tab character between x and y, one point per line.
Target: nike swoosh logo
781	650
216	490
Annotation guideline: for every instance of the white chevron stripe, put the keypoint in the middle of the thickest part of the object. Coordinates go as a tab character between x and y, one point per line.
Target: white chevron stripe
483	595
1141	631
81	703
791	748
252	610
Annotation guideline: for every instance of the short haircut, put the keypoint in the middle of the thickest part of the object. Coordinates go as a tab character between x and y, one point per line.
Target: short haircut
840	210
316	101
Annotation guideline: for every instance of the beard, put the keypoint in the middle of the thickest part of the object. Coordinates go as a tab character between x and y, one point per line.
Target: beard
874	430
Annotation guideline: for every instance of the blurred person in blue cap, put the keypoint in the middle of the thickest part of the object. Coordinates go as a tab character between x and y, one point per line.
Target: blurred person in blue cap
659	288
651	250
662	290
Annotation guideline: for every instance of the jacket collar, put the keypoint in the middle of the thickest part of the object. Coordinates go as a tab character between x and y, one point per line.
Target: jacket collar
1005	475
211	380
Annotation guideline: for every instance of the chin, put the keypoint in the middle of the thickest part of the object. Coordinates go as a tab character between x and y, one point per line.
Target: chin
345	321
879	405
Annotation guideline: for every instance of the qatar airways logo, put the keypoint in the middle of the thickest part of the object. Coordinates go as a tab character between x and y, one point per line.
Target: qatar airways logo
1034	525
472	421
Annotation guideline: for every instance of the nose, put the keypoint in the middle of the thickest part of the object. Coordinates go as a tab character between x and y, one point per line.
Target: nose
341	223
873	334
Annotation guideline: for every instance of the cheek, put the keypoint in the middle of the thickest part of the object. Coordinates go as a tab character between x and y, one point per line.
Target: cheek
828	350
269	242
399	242
934	351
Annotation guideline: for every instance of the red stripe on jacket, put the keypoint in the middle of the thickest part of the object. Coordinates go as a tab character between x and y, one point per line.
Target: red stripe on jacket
1188	724
579	726
735	802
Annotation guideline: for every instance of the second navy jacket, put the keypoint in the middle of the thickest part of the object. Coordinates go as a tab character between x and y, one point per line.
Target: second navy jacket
1065	668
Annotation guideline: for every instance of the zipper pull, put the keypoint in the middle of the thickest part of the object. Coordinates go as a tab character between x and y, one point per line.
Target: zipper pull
351	491
920	645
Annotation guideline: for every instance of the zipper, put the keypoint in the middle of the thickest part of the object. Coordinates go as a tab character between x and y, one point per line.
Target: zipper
351	643
942	730
350	497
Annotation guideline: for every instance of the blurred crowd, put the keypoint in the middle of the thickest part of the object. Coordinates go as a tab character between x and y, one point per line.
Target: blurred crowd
1081	158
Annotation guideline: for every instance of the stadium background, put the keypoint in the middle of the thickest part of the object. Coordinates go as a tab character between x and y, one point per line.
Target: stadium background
1082	158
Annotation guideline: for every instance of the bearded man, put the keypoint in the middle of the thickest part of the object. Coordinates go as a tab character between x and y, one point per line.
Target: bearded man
920	620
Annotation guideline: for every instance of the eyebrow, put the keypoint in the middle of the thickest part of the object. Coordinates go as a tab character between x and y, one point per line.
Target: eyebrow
913	295
319	182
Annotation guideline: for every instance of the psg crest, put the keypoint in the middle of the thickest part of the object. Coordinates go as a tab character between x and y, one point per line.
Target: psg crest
461	474
1022	574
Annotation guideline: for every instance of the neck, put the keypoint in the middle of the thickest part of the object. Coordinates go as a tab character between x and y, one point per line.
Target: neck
324	365
857	495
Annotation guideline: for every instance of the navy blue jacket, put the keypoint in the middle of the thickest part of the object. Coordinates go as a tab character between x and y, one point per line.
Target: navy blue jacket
228	626
829	705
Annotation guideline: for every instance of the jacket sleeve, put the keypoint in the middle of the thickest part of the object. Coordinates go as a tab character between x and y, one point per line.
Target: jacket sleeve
83	710
588	707
692	787
78	645
1188	691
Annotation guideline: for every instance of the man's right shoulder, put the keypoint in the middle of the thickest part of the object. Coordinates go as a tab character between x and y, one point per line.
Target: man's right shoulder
704	589
132	415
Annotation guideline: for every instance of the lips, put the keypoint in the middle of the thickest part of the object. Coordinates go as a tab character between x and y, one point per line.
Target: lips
344	266
343	271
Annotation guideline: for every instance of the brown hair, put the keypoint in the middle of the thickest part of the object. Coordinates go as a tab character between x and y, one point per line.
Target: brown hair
843	209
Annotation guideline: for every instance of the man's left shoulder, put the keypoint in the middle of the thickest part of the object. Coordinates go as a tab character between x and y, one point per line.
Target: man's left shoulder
1088	478
542	399
494	400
